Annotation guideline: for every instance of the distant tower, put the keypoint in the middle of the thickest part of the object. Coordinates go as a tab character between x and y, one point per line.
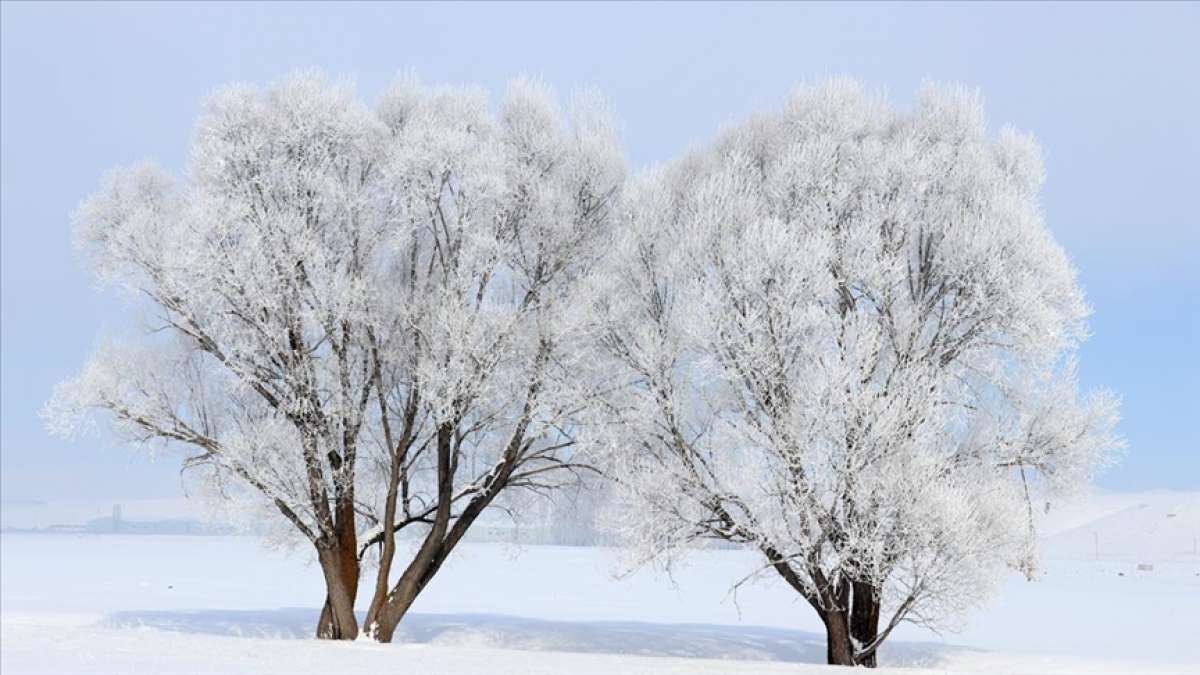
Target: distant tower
116	518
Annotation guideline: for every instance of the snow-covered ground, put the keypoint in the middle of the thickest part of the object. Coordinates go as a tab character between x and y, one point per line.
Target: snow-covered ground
178	604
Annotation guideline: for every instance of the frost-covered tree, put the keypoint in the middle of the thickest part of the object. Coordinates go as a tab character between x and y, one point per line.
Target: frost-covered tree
847	336
261	271
498	221
359	317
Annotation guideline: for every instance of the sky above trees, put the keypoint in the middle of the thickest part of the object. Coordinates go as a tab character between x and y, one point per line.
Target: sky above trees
1106	89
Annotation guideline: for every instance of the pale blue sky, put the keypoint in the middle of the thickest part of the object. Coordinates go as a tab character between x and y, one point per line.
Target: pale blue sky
1110	90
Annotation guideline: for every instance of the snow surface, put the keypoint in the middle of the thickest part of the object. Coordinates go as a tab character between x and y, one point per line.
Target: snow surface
180	604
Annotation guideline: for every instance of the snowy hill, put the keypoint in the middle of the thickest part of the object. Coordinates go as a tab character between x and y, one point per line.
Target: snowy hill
1144	527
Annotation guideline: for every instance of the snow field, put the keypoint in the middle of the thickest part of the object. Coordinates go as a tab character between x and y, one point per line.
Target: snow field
178	604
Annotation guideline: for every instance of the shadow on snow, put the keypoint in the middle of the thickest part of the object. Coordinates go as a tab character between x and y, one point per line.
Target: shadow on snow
510	632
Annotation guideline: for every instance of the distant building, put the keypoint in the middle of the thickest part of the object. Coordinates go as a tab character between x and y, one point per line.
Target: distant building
116	524
103	518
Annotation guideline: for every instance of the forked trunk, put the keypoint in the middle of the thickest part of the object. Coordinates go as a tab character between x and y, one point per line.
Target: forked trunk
385	612
383	624
438	545
420	571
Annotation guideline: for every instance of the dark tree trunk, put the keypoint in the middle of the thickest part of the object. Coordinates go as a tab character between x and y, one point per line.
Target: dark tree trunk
839	649
397	473
387	613
442	537
424	566
864	619
337	620
398	602
339	564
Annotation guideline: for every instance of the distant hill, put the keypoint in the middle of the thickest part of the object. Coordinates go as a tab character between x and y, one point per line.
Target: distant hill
1145	527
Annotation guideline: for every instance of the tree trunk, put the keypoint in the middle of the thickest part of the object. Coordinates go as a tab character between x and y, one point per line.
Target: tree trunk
398	601
386	614
339	564
864	620
441	540
337	620
839	649
423	567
